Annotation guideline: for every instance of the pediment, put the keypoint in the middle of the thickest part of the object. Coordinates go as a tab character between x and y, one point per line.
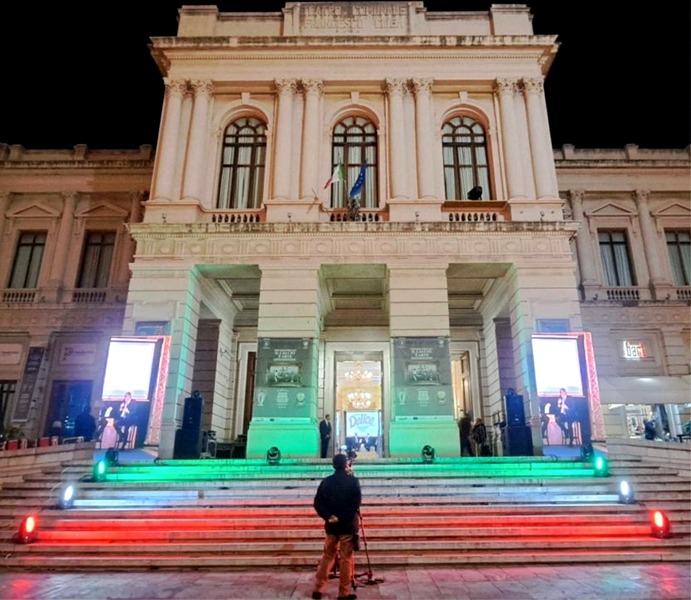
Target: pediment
34	210
101	210
612	209
673	210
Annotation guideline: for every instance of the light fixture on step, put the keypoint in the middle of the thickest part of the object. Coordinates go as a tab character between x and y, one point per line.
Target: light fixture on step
68	492
600	466
100	469
28	530
587	452
428	454
273	455
659	524
626	493
112	457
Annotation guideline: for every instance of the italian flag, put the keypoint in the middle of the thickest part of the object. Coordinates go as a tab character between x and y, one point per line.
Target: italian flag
336	176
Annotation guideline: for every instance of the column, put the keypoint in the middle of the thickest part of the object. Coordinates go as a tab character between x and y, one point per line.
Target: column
128	247
162	187
395	88
310	138
584	249
542	154
284	142
63	242
284	415
422	408
4	206
196	154
651	242
509	134
425	141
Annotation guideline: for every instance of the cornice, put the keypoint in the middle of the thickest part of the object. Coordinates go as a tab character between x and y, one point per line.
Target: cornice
77	164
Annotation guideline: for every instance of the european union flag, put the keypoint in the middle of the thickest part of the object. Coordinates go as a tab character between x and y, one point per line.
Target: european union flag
356	190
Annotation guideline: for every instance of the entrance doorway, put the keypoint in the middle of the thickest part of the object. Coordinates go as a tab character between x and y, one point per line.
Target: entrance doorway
67	400
359	414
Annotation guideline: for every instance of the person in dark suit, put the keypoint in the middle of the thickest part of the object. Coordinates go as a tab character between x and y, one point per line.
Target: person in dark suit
85	425
325	434
337	501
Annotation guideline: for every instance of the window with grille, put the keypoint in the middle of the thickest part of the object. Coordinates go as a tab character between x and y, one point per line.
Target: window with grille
354	146
616	262
464	149
242	164
27	260
97	258
679	250
7	390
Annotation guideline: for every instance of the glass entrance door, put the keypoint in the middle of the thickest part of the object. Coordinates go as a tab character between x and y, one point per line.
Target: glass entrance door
359	407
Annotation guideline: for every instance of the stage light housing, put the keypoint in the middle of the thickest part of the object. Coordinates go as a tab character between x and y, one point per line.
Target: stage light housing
112	457
428	454
68	492
273	455
626	495
660	525
587	452
100	470
601	466
28	530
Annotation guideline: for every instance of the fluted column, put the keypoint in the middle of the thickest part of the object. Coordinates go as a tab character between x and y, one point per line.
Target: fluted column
540	140
4	206
649	235
584	249
395	89
425	142
162	188
63	243
196	153
284	142
512	157
310	137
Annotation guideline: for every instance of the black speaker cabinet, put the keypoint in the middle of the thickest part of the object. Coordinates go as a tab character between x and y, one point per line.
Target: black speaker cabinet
519	441
192	413
188	444
515	413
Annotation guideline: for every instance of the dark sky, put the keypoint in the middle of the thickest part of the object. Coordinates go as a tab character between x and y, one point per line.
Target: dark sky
73	75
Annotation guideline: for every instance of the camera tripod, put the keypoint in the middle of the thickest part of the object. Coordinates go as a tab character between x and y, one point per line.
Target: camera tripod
368	576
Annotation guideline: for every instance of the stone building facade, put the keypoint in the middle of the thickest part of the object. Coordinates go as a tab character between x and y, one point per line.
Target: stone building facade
354	209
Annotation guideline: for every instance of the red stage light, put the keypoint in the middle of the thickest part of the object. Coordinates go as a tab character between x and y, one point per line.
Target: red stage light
28	530
660	525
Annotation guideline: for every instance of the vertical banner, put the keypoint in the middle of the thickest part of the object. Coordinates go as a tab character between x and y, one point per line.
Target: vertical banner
26	391
285	378
422	377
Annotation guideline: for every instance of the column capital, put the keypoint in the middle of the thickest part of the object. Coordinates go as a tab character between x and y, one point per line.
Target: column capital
203	87
533	85
312	86
503	85
396	86
641	196
422	84
175	87
286	86
576	195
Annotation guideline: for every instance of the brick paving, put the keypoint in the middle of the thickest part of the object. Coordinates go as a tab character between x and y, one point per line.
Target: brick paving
656	581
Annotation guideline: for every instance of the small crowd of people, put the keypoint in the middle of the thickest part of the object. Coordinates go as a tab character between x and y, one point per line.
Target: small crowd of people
474	439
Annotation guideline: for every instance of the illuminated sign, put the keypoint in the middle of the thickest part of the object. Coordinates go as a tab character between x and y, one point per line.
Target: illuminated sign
634	350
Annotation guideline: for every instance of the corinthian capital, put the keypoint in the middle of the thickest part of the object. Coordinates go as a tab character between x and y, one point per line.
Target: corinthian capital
504	85
395	87
422	84
533	85
312	86
286	86
175	87
203	87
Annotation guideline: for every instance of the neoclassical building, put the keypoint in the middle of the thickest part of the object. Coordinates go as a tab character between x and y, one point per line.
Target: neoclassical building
353	209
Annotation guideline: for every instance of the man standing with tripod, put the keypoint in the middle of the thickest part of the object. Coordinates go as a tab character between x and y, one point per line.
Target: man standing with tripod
338	501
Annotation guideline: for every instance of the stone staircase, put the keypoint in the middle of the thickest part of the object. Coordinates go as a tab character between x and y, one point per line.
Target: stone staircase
246	513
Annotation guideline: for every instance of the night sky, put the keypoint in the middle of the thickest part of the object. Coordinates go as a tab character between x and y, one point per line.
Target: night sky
73	75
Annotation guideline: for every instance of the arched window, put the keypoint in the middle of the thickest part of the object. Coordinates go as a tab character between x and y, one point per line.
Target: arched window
354	147
464	145
242	166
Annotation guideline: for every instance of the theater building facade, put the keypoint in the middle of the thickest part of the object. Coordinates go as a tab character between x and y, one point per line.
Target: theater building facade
353	209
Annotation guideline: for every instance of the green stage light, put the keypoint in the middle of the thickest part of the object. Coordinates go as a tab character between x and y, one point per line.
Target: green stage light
601	467
659	524
28	530
273	455
626	493
428	454
100	469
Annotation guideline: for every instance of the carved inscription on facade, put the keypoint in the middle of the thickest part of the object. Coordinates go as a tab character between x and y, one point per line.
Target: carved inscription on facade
338	18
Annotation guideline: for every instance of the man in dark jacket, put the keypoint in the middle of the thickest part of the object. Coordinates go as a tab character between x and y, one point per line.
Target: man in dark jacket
338	502
325	435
